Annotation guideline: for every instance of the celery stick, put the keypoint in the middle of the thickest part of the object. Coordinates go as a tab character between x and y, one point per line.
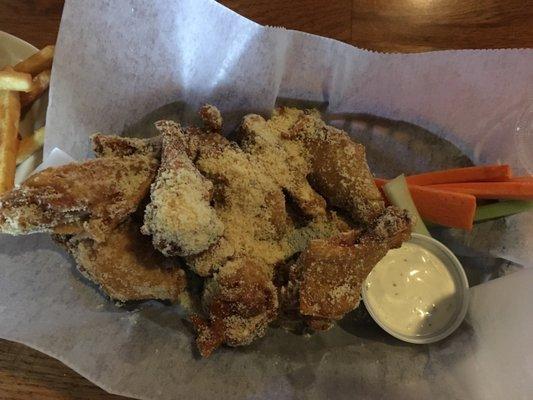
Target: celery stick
398	194
502	209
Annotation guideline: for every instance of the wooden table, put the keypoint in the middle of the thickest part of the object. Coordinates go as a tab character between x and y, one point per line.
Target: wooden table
385	25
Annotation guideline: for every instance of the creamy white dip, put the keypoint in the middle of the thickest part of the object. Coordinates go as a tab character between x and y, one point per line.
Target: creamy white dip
411	291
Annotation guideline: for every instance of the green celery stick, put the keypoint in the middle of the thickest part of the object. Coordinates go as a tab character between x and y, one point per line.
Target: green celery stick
398	194
502	209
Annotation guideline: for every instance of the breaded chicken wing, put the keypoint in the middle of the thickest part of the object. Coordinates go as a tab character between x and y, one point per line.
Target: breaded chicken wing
303	153
93	196
241	301
325	282
249	203
286	161
339	170
179	216
126	266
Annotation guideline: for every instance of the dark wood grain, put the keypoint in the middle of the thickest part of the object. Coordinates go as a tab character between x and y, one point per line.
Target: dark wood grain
28	374
327	18
421	25
385	25
35	21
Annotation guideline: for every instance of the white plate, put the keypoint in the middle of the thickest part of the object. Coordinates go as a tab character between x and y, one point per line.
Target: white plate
13	50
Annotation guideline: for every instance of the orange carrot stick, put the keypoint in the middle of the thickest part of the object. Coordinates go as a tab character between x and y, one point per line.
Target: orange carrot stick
469	174
455	210
491	190
525	178
451	209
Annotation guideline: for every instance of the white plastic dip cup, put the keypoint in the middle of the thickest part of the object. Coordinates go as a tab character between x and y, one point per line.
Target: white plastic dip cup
461	294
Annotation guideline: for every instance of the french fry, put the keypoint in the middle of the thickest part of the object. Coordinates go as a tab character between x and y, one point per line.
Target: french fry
9	126
12	80
39	85
38	62
30	144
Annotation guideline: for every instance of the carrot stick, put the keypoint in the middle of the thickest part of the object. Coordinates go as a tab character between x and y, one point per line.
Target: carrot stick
491	190
456	175
455	210
525	178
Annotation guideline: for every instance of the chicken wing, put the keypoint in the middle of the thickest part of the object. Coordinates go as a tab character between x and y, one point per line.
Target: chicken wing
285	161
325	282
241	301
303	153
248	202
179	216
93	196
340	172
126	266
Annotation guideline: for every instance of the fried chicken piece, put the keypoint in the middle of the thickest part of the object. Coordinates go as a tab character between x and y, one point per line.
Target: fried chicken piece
285	161
339	170
179	216
348	185
118	146
306	149
126	266
93	196
241	301
248	202
325	282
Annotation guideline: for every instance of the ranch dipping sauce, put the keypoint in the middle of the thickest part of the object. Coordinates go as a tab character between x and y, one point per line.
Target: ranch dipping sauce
411	291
